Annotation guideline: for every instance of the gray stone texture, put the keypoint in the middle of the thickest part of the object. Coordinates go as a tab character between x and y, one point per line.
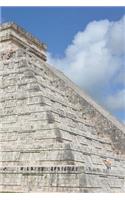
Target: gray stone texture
53	137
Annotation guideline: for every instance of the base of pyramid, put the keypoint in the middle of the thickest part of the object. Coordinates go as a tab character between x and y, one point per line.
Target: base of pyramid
60	179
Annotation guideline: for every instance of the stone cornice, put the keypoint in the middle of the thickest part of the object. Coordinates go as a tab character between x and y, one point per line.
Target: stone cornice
12	32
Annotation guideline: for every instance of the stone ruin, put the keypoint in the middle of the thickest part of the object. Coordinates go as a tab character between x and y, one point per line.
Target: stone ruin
53	137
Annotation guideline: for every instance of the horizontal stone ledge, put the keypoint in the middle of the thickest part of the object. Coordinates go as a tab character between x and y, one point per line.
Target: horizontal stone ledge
29	170
8	184
105	174
40	169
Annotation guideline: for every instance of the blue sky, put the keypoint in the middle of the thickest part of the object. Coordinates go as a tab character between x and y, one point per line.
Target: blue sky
0	15
57	26
64	30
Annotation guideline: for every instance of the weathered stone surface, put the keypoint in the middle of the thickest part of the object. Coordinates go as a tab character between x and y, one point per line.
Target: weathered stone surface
53	137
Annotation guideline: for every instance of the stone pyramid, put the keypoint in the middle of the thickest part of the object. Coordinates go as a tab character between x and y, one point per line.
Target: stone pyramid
53	137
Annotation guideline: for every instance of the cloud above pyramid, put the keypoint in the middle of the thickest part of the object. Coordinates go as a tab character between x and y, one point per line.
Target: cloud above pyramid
95	61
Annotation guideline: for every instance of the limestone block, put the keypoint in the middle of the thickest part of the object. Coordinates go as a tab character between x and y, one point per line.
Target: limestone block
97	160
64	180
29	157
9	156
89	181
115	183
8	137
10	179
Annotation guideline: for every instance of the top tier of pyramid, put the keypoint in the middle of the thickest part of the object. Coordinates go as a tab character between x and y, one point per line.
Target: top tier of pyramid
12	33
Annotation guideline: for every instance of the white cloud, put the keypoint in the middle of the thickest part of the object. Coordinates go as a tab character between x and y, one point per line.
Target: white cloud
95	61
